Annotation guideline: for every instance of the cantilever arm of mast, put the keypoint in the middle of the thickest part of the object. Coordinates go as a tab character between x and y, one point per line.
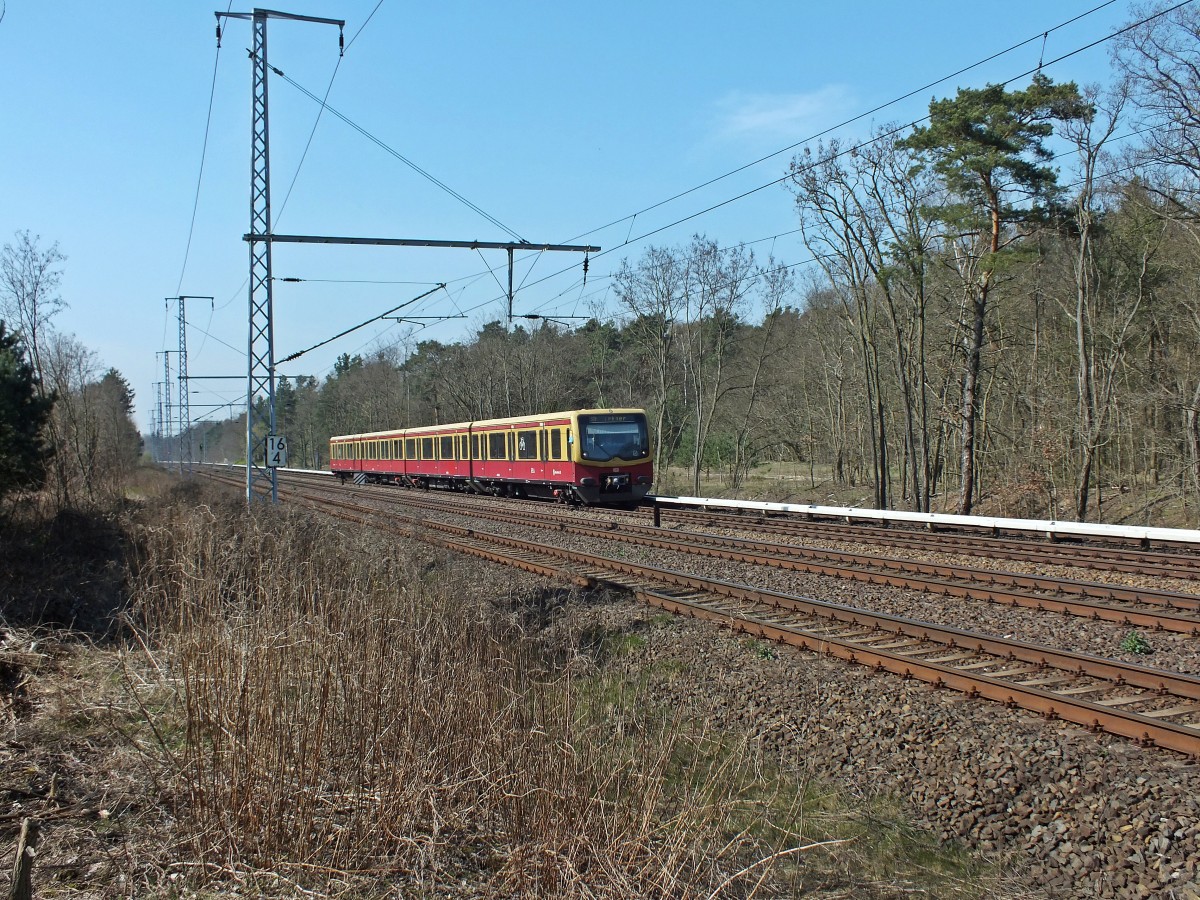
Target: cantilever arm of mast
274	14
417	242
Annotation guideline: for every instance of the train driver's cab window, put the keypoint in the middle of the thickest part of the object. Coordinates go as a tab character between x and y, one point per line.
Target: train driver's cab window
613	436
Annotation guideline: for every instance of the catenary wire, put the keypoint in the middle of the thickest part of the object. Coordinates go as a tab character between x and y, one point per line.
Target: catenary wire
398	155
775	181
846	122
851	149
857	147
212	92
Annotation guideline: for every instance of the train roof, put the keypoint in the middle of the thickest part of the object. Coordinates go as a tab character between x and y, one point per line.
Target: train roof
515	421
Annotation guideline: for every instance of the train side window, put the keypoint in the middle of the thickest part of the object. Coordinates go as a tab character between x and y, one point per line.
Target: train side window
527	445
397	449
373	449
463	450
410	448
496	445
556	443
474	446
447	448
427	448
385	449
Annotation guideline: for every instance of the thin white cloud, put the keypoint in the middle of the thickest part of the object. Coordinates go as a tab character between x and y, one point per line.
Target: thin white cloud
743	116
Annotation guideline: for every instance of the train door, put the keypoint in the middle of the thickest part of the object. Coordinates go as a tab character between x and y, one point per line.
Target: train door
528	461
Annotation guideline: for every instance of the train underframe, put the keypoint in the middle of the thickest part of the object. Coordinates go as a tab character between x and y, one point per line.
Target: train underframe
608	489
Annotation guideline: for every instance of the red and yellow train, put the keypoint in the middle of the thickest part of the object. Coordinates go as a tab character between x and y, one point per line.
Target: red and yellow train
590	456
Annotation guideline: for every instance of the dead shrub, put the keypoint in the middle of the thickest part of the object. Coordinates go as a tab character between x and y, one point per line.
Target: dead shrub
345	710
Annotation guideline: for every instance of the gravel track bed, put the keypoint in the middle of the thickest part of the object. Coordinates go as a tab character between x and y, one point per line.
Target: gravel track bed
965	560
1084	815
1066	813
1169	650
1074	814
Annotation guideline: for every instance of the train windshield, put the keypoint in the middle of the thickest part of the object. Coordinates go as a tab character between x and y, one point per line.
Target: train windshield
616	436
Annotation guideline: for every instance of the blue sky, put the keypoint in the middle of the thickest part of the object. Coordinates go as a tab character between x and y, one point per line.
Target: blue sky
556	119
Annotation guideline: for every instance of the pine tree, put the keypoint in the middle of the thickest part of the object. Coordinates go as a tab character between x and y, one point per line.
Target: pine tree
988	146
23	415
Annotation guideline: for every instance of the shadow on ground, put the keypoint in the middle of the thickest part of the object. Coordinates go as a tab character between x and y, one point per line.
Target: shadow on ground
65	570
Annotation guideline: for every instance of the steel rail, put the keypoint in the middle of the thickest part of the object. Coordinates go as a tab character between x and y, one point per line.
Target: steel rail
975	584
1096	716
1137	726
1142	727
1116	558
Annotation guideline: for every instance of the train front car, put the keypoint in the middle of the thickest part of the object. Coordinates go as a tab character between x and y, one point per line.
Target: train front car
610	450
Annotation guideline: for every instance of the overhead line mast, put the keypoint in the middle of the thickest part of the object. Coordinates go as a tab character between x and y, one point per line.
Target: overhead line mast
185	413
510	246
261	479
260	377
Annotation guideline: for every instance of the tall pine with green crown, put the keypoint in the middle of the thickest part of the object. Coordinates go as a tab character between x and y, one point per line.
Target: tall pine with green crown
988	147
23	415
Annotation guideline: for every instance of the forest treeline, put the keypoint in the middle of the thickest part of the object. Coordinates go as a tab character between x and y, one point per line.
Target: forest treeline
1000	307
67	435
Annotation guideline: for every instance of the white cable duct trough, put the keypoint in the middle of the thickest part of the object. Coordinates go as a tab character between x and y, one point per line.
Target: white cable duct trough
1048	528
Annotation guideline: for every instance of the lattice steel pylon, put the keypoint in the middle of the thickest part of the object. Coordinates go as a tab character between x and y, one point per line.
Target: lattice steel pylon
185	412
156	428
261	480
166	355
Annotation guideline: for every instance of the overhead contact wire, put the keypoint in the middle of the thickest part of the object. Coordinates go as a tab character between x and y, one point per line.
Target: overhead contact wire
855	148
402	158
212	92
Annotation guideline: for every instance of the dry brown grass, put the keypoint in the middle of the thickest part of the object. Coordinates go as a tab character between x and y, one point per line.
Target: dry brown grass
344	712
299	709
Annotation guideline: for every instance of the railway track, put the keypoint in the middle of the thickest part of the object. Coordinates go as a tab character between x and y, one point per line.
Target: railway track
1172	562
1178	563
1145	704
1144	608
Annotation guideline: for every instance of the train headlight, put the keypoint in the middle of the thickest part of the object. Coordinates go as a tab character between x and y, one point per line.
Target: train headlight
588	482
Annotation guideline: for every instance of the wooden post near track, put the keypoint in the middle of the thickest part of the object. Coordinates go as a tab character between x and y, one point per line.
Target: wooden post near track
22	877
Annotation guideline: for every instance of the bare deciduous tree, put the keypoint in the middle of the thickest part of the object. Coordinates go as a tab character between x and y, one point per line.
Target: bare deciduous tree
29	299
